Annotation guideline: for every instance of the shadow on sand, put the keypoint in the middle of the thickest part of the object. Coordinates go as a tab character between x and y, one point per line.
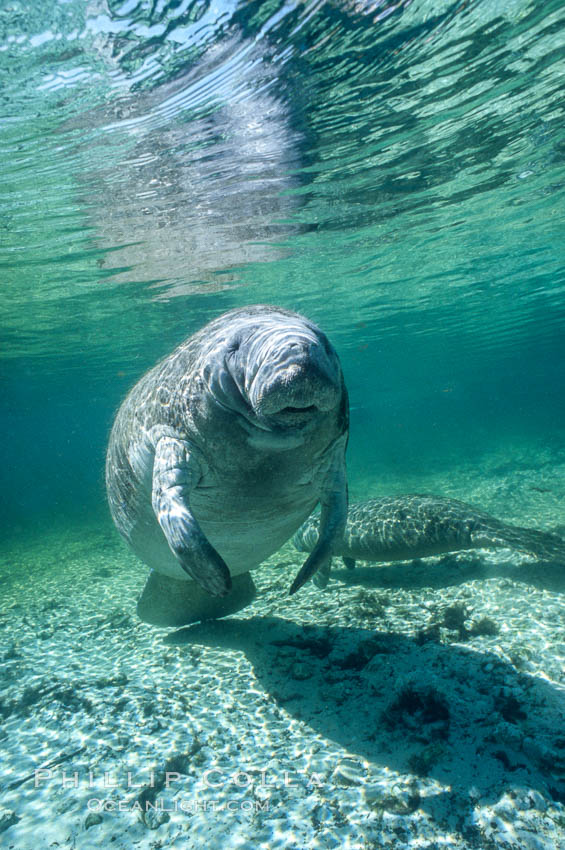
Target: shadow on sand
454	713
452	570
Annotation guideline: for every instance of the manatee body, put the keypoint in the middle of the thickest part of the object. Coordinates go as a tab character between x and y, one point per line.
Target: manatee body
220	452
403	527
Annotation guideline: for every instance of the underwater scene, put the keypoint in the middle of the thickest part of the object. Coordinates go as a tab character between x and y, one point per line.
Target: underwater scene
282	558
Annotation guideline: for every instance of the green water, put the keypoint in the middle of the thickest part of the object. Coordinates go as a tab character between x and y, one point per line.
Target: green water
395	173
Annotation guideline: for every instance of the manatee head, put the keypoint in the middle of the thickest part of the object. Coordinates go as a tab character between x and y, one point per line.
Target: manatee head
277	369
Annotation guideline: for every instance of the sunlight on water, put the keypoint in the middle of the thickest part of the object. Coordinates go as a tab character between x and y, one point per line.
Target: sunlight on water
394	171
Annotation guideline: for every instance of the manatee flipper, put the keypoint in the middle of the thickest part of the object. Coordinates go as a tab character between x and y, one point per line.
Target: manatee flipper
176	471
167	601
332	520
349	563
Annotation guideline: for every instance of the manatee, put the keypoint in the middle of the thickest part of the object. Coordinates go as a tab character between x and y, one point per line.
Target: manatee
220	452
400	528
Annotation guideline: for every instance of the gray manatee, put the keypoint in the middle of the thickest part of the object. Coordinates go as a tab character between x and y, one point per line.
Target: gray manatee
399	528
220	452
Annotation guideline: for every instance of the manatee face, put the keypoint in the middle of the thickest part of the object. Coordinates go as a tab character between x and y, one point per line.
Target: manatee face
281	375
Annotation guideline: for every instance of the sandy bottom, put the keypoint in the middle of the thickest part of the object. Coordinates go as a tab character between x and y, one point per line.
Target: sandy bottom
420	705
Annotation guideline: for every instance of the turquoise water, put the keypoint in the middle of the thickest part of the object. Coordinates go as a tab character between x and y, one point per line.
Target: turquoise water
393	170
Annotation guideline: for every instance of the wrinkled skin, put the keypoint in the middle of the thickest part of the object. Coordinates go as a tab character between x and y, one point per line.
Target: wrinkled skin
222	450
397	528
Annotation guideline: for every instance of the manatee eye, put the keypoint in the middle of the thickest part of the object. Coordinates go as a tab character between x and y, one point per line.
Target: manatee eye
233	347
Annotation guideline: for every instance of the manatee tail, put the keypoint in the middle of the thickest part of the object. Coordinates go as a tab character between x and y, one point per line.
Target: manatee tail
545	545
167	601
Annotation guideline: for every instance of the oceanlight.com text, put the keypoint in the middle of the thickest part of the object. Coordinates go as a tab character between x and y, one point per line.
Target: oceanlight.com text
96	804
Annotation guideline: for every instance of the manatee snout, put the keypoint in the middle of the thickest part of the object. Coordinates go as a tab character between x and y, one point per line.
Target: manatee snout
303	381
